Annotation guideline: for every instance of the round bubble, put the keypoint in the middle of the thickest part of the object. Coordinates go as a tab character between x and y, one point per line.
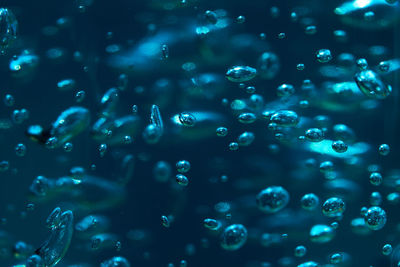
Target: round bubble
384	149
333	207
300	251
339	146
272	199
183	166
375	218
314	135
233	237
309	201
324	55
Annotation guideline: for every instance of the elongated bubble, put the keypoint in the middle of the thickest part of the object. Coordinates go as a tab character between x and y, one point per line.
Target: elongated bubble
54	218
241	74
70	123
56	246
114	131
91	225
371	84
153	132
109	102
156	119
285	118
8	29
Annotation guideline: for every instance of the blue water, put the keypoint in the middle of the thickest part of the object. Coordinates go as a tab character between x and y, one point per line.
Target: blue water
199	133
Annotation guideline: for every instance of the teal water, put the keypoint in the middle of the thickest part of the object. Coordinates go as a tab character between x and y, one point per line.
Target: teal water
199	133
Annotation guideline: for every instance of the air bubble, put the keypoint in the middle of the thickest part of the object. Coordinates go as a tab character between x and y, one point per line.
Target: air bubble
321	233
52	143
68	147
250	89
165	51
375	199
314	135
268	65
371	84
233	237
333	207
300	251
300	66
165	221
183	166
247	118
102	149
9	26
282	35
9	100
233	146
115	262
241	74
212	224
375	218
324	55
311	30
285	90
272	199
34	261
182	180
240	19
275	12
80	96
326	166
134	109
339	146
246	139
384	149
375	178
336	258
162	171
285	118
362	64
309	201
384	66
387	249
66	85
187	119
222	131
20	150
211	17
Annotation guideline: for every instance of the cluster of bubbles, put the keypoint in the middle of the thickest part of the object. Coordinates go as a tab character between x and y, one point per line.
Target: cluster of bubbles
202	141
